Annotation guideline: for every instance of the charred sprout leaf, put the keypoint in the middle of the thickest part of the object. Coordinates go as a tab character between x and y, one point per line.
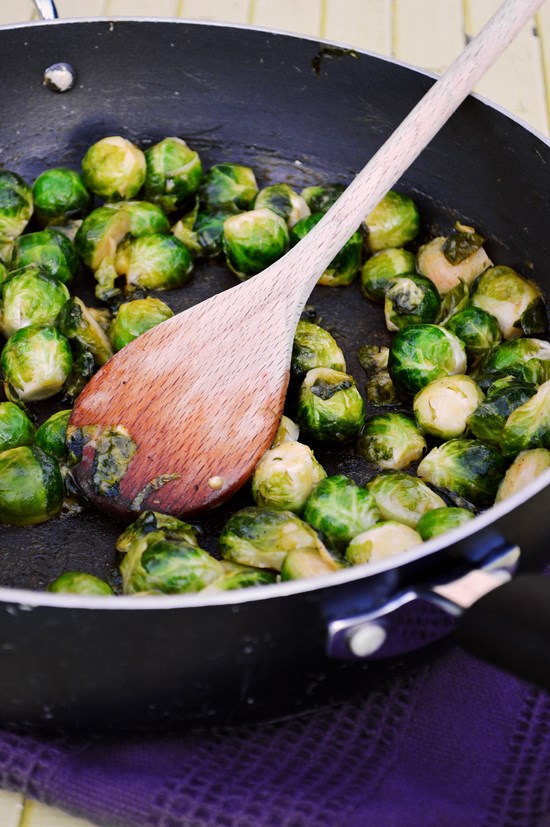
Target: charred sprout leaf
410	299
77	322
440	520
35	362
284	201
320	198
391	441
285	477
114	169
52	434
154	262
253	240
339	510
528	426
524	358
30	296
50	250
373	358
381	392
60	196
235	576
385	539
79	582
515	301
31	488
424	352
83	366
477	329
314	347
157	526
442	408
301	563
114	449
432	263
462	243
525	468
469	468
345	265
16	209
174	172
393	223
381	268
135	317
330	407
288	431
15	427
487	421
230	187
402	497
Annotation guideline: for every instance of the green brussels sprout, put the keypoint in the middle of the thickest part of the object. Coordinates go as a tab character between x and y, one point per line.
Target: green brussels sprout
330	408
135	317
283	200
202	232
79	582
168	565
60	196
114	168
304	562
4	273
31	487
314	347
442	407
145	218
385	539
432	262
487	421
454	300
253	240
230	187
174	172
234	576
345	265
440	520
35	362
96	243
285	477
154	262
469	468
523	358
288	431
477	329
393	223
381	268
50	250
410	299
134	538
340	510
30	297
262	537
52	434
16	209
528	426
391	440
423	352
320	198
515	301
76	321
526	467
15	427
402	497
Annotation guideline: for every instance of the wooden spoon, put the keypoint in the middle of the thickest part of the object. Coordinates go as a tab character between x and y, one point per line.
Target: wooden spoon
178	419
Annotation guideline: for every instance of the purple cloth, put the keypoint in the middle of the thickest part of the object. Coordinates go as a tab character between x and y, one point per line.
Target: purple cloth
449	743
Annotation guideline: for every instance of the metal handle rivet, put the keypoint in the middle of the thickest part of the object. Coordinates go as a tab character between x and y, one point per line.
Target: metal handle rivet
366	640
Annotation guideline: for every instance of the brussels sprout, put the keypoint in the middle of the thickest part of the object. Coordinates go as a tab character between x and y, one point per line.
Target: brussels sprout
153	524
79	582
31	488
283	200
52	434
262	537
432	262
49	249
253	240
381	268
385	539
202	232
135	317
114	168
303	562
60	196
174	172
526	467
524	358
145	218
330	408
477	329
468	468
15	427
235	576
314	347
345	265
168	565
96	243
391	440
30	297
288	431
442	407
16	208
285	477
154	262
4	273
393	223
440	520
77	322
462	243
339	510
424	352
230	187
35	362
528	426
454	300
402	497
487	421
320	198
516	302
410	299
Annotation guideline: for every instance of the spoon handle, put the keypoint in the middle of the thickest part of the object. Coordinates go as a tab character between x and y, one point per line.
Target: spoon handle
404	145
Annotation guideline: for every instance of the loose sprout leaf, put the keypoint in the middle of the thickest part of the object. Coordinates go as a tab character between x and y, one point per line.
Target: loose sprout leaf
461	243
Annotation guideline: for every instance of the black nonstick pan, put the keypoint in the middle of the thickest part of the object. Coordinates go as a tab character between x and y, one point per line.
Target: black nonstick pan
305	112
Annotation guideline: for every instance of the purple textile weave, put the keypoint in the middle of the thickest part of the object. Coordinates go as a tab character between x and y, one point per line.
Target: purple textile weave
450	743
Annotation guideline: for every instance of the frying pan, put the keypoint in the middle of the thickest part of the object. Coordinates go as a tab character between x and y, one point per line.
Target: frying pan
305	112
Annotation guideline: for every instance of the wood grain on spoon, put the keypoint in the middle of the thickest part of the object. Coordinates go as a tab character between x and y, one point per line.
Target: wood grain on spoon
197	399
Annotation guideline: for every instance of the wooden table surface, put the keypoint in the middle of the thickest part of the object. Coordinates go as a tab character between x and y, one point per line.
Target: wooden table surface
424	33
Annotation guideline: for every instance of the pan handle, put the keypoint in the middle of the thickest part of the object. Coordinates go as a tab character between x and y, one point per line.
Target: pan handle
46	9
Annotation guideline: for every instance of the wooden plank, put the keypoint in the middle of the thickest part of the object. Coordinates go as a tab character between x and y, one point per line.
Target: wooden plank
301	16
17	12
76	8
354	22
226	11
39	815
145	8
11	809
428	33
